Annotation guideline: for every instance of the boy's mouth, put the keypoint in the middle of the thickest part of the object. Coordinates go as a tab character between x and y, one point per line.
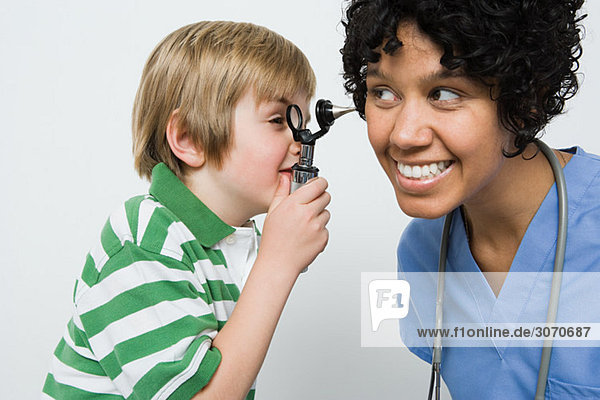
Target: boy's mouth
287	172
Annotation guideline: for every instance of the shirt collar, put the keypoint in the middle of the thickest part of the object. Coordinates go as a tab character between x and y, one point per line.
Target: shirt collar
205	225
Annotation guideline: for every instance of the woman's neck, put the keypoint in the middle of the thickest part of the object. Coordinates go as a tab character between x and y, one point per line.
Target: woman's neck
498	217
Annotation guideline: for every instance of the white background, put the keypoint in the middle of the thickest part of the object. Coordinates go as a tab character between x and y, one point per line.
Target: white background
68	75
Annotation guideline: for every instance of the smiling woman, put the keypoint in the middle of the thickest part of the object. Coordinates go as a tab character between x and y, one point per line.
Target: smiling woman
421	116
482	40
454	94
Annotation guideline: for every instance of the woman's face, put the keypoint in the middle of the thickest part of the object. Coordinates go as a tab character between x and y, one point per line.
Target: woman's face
435	131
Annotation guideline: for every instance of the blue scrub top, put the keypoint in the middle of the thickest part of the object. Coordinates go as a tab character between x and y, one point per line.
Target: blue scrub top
497	372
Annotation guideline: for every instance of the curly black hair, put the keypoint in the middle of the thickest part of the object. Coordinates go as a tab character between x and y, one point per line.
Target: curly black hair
528	48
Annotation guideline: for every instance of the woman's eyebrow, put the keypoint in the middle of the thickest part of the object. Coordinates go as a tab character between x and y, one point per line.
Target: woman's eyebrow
440	74
444	73
375	72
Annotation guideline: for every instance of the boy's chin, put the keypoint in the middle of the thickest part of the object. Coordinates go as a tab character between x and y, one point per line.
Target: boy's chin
262	210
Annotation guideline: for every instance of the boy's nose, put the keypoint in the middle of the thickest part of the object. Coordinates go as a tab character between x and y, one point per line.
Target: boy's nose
411	128
295	148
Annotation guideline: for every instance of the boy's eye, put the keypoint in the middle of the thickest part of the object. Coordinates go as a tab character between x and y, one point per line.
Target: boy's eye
444	95
277	120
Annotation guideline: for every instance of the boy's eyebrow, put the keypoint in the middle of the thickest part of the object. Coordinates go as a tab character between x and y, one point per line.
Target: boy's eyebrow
285	102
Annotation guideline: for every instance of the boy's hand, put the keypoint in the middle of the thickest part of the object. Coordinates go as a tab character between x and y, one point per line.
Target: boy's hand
294	232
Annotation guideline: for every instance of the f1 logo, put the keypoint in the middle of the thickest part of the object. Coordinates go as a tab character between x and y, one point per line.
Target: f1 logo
388	299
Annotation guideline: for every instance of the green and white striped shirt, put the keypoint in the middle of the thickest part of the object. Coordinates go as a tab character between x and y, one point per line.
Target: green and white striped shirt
151	298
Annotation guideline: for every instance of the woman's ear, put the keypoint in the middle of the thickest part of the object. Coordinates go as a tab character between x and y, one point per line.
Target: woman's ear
181	142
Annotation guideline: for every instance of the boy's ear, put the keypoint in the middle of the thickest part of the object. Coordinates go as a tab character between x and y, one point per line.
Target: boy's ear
181	142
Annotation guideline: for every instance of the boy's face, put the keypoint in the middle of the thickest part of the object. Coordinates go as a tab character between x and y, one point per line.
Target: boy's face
435	133
262	149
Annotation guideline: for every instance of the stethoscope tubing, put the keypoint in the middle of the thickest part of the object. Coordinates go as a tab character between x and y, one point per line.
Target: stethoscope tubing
559	261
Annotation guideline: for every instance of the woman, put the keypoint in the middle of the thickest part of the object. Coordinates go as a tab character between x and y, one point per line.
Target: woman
455	94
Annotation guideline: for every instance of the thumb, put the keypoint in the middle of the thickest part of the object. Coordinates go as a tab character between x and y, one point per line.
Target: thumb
282	191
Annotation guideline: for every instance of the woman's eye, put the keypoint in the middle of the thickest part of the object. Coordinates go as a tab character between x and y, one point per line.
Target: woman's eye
384	94
444	95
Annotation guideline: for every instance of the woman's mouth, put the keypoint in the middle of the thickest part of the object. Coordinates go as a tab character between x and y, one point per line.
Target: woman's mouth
421	178
423	172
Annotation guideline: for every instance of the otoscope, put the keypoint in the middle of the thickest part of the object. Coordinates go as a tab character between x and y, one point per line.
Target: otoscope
326	114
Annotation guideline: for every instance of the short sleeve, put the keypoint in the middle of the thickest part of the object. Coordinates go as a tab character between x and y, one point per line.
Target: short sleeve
150	323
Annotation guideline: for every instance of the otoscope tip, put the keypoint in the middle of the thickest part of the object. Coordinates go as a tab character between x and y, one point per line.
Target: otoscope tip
338	111
327	112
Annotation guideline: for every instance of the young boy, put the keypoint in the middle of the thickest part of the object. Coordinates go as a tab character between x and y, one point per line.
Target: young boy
175	302
455	94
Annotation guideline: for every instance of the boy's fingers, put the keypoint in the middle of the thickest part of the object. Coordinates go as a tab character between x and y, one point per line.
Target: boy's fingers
319	204
313	189
282	191
324	217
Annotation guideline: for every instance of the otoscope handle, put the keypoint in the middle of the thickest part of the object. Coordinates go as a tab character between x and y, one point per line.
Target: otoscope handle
301	175
303	171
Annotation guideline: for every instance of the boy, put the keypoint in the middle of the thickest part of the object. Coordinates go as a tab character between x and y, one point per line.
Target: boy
455	94
154	309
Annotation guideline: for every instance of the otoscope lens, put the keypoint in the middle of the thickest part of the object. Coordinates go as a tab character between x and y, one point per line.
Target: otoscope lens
294	117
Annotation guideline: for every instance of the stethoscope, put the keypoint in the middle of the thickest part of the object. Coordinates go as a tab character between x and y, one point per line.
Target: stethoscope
559	259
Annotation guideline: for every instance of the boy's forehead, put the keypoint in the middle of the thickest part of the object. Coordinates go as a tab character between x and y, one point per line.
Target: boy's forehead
277	104
280	100
280	90
281	96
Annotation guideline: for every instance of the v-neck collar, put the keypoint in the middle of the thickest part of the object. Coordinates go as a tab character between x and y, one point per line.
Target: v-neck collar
535	255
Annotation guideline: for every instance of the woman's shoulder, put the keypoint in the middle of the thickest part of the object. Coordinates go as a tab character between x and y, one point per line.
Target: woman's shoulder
581	155
583	186
583	176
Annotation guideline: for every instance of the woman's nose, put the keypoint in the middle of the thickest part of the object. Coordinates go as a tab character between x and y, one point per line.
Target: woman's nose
411	128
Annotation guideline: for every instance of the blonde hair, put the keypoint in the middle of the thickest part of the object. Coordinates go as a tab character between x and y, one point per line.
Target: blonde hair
202	70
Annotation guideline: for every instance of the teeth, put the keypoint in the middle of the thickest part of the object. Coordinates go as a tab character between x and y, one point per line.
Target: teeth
416	172
423	171
433	168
